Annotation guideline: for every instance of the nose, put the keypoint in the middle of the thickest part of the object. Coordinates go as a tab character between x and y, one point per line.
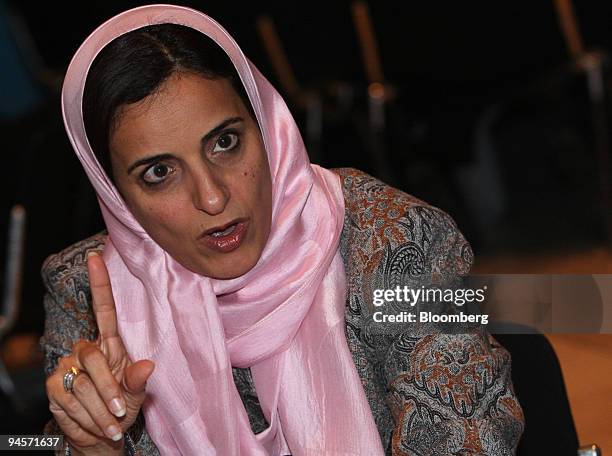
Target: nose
210	194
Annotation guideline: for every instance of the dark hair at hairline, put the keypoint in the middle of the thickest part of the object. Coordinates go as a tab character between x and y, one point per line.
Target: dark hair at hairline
136	64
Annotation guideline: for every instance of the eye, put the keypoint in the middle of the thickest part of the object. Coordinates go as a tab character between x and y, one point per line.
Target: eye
156	174
226	142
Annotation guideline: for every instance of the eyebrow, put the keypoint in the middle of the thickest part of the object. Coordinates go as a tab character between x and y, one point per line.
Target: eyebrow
205	138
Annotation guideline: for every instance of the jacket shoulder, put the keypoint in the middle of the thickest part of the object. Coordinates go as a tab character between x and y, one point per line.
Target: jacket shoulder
359	186
65	276
72	259
382	221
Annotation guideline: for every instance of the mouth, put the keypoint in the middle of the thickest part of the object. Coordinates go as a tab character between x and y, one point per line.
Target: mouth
225	238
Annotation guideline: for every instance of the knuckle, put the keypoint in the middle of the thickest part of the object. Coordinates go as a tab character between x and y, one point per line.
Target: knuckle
55	410
82	385
64	363
87	350
51	384
94	355
54	384
72	407
80	345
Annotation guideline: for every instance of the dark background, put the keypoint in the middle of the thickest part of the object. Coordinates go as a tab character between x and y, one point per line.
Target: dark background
492	121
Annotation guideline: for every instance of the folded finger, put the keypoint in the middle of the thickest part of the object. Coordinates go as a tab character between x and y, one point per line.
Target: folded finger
85	391
96	365
69	405
73	430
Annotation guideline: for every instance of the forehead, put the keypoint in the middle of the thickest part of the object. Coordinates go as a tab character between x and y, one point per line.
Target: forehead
182	95
185	105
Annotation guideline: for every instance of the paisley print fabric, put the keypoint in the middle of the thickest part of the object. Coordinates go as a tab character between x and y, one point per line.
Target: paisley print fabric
431	392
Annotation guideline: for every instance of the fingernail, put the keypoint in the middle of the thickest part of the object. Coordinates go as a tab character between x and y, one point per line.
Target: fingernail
117	407
114	432
91	253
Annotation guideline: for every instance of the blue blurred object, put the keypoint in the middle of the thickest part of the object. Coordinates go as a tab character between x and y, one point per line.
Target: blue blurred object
20	93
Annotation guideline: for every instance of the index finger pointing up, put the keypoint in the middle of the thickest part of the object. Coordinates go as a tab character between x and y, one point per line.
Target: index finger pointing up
102	296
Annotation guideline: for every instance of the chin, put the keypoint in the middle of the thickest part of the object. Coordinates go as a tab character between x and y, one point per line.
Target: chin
229	268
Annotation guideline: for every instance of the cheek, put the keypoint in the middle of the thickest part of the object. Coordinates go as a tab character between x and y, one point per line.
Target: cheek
260	178
163	220
255	175
256	190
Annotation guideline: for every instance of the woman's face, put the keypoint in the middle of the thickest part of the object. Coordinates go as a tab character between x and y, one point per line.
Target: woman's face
190	164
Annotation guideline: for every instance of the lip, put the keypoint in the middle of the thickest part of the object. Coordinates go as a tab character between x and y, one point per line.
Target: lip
226	243
221	227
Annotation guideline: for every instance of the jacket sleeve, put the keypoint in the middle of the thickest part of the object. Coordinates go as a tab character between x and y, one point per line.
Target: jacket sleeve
449	392
69	317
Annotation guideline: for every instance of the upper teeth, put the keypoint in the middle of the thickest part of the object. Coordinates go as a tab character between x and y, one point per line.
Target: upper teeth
225	232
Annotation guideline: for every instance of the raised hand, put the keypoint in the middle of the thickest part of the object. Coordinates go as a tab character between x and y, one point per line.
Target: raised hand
108	392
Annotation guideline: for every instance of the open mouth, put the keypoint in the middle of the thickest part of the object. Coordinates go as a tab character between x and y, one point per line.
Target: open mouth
226	239
225	232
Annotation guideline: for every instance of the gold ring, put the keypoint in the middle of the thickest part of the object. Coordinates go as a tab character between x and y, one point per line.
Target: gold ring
69	378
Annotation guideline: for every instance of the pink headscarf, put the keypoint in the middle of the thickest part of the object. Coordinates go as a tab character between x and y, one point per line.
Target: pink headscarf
284	318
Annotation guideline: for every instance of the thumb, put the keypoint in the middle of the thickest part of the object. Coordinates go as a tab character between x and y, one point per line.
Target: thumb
136	375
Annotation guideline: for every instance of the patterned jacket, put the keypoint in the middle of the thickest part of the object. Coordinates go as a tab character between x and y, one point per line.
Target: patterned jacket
431	392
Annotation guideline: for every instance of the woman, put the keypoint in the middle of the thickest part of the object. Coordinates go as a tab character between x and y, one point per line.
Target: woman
231	313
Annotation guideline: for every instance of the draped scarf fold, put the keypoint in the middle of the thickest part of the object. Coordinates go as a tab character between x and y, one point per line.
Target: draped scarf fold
284	319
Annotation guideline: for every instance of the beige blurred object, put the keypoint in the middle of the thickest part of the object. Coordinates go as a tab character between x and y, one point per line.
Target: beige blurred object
21	351
586	362
595	260
586	359
367	41
278	57
520	299
569	27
